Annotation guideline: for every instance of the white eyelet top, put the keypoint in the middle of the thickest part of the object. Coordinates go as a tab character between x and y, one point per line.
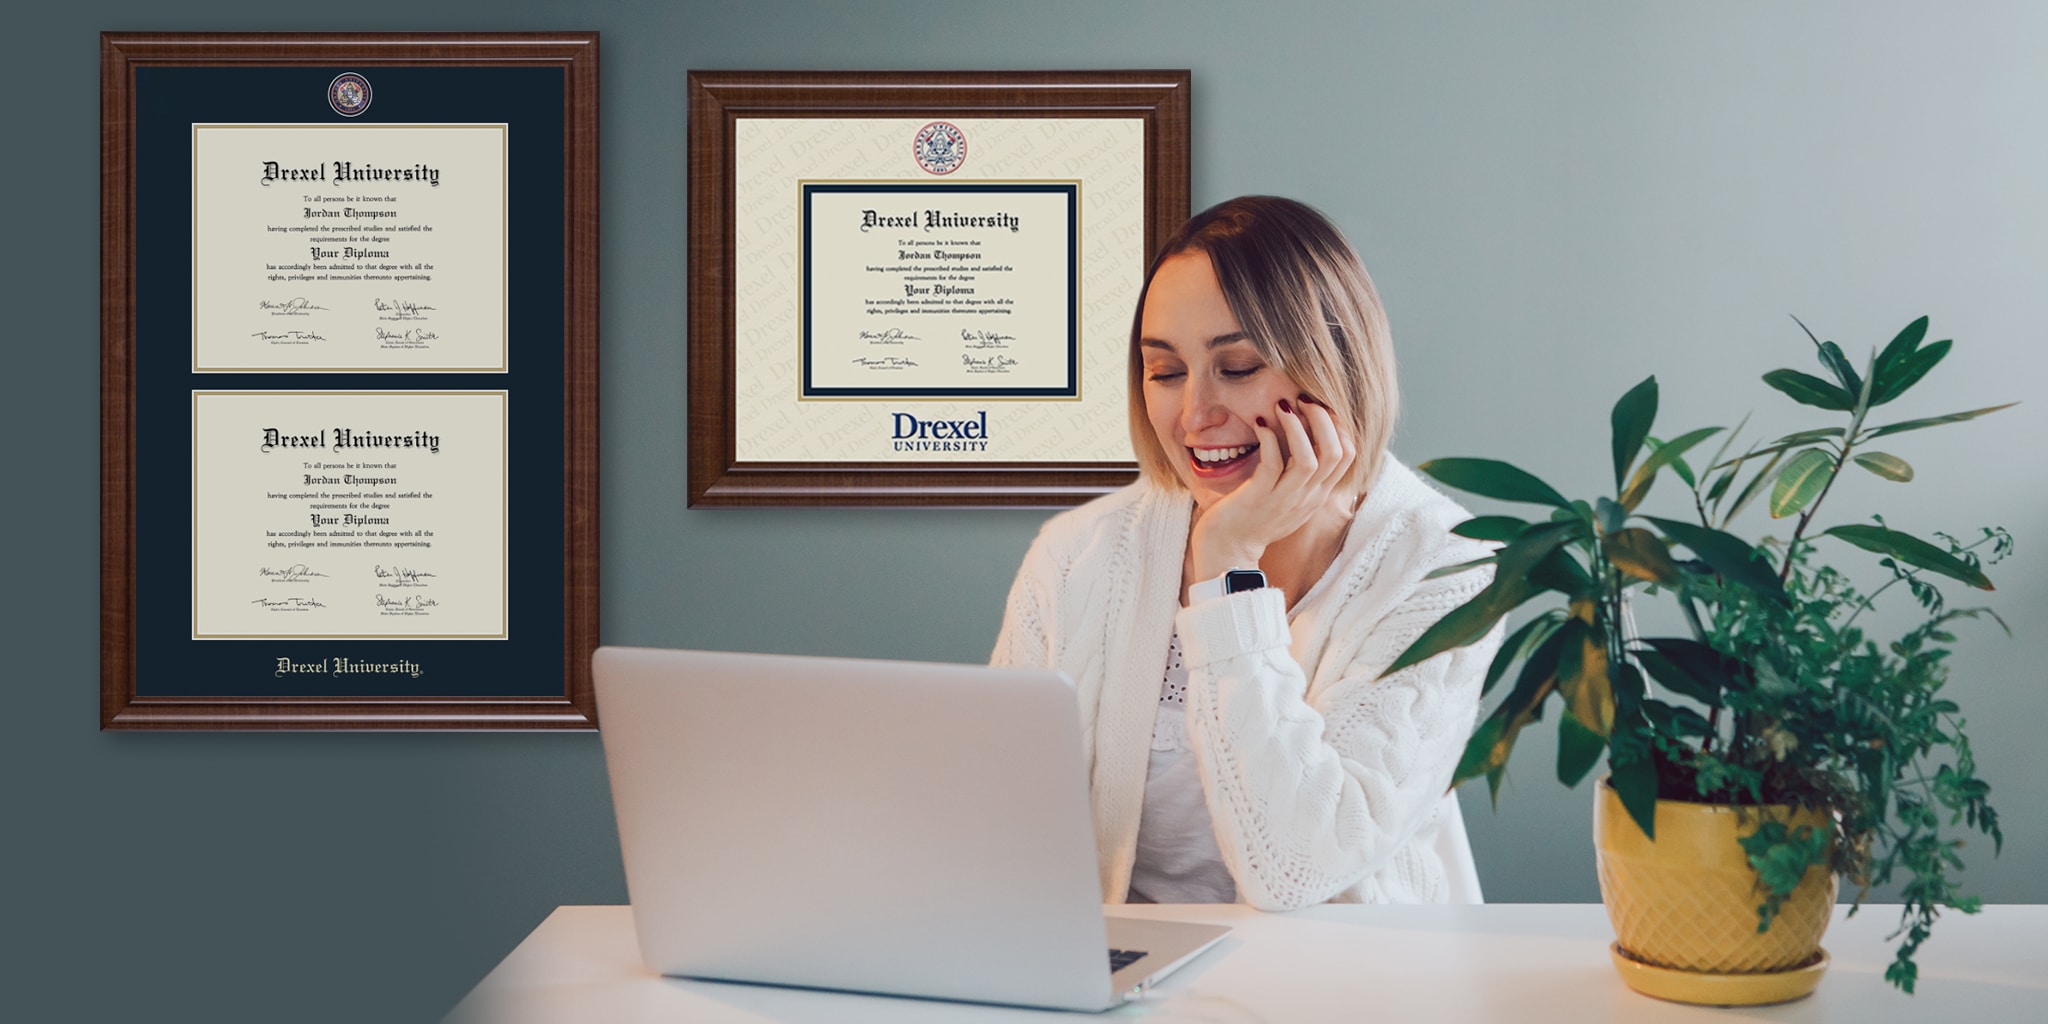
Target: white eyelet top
1178	859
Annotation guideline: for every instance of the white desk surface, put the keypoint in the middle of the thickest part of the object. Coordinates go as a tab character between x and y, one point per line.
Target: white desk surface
1502	962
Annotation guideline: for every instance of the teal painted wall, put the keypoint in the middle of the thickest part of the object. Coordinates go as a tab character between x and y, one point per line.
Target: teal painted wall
1556	199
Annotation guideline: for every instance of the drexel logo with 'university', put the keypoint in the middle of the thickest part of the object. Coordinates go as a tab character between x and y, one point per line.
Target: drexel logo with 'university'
911	434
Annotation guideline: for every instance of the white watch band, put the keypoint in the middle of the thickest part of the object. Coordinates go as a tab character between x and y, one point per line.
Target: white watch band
1202	590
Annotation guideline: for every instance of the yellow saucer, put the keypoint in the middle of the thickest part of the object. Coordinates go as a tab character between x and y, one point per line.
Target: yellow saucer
1704	989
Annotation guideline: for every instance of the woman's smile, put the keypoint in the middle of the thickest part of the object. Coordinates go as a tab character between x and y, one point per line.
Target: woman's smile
1216	463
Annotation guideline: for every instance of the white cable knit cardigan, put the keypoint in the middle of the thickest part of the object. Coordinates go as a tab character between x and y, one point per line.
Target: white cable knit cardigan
1324	785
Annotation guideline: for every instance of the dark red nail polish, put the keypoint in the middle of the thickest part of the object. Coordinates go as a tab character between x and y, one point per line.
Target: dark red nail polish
1260	420
1306	398
1284	407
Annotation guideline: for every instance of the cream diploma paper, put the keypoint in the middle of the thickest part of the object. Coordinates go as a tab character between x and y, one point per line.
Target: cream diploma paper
348	247
958	290
332	514
774	421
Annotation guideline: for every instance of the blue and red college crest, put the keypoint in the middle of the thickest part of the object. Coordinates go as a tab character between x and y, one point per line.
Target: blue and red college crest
939	147
349	94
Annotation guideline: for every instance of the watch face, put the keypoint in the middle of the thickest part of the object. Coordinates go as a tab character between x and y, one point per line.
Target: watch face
1238	580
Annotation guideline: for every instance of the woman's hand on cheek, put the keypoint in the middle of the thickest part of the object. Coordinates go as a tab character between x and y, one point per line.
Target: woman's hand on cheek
1283	492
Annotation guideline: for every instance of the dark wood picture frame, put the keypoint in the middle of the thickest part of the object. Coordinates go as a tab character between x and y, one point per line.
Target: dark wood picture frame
717	479
574	54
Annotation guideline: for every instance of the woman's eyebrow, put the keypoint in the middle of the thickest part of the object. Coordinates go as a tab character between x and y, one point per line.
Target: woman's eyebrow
1216	342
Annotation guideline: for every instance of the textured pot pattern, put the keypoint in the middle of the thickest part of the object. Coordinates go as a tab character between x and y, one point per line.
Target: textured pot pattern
1688	900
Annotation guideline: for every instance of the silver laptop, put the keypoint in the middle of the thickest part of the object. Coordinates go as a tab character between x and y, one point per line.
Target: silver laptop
872	826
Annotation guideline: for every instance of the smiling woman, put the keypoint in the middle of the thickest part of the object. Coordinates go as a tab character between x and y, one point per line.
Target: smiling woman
1227	617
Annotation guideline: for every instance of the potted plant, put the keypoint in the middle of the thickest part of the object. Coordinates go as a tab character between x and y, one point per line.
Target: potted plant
1775	744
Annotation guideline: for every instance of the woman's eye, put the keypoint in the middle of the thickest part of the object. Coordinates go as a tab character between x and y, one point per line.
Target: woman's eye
1240	372
1165	376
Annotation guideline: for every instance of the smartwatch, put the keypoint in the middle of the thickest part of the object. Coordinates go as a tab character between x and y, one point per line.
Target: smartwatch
1231	582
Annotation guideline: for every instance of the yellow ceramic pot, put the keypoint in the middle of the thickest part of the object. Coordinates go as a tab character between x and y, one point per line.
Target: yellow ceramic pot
1685	905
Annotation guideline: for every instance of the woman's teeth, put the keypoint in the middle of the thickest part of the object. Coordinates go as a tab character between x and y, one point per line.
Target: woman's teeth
1220	454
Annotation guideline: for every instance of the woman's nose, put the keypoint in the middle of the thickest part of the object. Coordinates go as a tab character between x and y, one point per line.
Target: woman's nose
1201	409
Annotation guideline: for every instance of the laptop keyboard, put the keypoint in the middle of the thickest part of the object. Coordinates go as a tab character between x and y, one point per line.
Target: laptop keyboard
1122	958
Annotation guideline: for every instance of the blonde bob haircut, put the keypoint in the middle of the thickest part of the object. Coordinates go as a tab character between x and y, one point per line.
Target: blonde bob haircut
1308	308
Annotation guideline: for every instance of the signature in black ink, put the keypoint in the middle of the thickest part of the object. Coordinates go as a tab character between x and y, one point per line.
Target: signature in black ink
892	336
288	574
987	364
409	603
416	334
289	307
287	336
286	603
885	362
401	309
985	339
399	576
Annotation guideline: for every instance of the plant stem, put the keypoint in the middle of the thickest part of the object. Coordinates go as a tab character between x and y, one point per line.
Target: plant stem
1792	547
1868	602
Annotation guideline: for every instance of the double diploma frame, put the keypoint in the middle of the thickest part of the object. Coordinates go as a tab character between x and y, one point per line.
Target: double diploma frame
348	381
918	289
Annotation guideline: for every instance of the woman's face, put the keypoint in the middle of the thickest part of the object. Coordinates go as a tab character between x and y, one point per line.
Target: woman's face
1204	383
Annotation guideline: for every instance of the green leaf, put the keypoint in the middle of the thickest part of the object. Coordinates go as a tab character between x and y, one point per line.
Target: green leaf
1901	346
1728	555
1631	420
1635	782
1774	448
1807	389
1583	680
1479	749
1809	436
1913	551
1727	442
1675	721
1487	751
1831	356
1720	488
1510	587
1934	421
1468	622
1500	528
1667	454
1909	371
1453	570
1609	514
1640	553
1754	487
1801	481
1687	667
1517	645
1561	572
1886	465
1628	686
1494	479
1578	750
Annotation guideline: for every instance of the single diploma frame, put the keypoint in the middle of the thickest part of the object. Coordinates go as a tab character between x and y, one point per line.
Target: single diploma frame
917	289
